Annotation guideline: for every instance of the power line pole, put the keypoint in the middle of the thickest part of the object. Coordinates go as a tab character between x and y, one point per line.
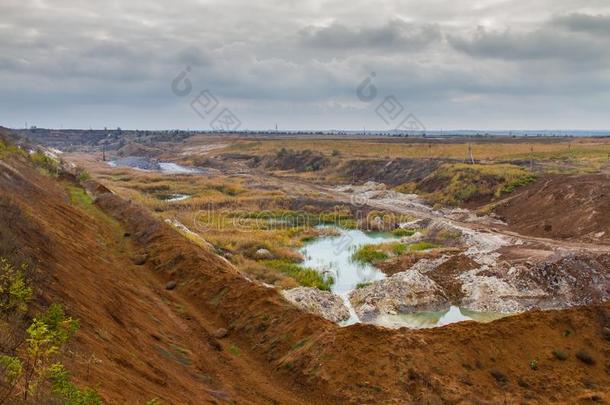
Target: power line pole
470	154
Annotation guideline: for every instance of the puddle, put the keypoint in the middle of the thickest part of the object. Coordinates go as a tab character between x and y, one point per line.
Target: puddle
419	320
332	255
174	168
174	197
148	164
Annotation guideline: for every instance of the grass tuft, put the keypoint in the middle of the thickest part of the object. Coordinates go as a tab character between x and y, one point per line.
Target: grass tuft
304	276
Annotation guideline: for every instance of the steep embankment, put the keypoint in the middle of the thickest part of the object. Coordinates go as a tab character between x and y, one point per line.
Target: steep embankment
137	340
110	262
561	207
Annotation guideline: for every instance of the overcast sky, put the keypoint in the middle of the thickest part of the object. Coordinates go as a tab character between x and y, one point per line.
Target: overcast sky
484	64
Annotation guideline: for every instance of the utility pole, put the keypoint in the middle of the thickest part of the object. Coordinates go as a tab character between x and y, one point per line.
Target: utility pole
103	152
470	154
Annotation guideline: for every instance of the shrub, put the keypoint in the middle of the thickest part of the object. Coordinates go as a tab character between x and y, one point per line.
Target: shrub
15	291
29	375
62	387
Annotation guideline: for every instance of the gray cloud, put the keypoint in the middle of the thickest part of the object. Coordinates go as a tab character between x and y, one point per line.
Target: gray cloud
592	24
298	64
397	34
545	43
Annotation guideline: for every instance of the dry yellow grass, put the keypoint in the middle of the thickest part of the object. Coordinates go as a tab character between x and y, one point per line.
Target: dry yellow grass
585	148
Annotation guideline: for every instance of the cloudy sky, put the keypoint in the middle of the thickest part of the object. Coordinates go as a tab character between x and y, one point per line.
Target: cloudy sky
484	64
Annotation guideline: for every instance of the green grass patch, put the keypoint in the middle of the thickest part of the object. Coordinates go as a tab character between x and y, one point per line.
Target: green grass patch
369	254
8	149
288	218
362	285
80	197
44	163
400	232
375	253
453	184
398	248
304	276
234	350
419	246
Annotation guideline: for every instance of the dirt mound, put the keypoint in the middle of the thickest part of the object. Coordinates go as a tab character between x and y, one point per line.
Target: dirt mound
576	277
446	275
561	207
392	172
138	149
299	161
471	185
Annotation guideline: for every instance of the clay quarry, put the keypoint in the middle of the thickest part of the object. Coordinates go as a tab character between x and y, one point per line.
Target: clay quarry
222	269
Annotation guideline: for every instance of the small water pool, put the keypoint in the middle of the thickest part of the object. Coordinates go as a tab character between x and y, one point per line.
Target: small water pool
175	168
148	164
174	197
419	320
332	255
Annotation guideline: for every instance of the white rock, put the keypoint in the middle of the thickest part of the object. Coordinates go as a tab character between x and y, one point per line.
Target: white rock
318	302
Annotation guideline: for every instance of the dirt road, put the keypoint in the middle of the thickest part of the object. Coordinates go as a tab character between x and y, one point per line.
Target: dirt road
298	187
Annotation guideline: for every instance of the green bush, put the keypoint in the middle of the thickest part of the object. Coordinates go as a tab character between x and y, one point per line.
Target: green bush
62	387
24	375
15	290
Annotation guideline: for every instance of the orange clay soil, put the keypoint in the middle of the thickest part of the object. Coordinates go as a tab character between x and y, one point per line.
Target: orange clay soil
574	207
139	341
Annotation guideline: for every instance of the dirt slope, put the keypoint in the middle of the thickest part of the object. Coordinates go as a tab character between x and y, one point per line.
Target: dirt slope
138	340
561	207
388	171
